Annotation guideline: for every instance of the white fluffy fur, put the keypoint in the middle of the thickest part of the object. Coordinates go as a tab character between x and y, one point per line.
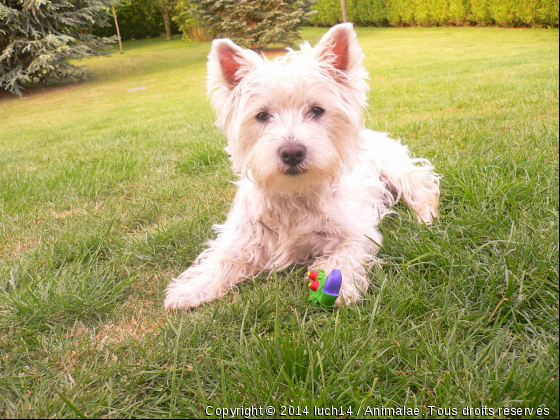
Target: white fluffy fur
328	215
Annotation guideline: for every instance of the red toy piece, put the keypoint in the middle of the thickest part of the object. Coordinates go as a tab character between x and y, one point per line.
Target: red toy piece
314	285
313	275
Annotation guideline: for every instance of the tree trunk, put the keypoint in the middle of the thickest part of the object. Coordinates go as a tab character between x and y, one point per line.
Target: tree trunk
166	22
118	31
343	4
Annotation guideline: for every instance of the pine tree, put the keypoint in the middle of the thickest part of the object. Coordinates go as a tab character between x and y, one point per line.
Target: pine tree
38	37
253	23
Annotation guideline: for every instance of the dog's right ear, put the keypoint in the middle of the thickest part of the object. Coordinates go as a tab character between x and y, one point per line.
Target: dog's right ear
339	48
228	64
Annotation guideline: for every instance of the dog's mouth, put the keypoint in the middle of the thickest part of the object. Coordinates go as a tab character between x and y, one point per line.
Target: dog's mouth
294	171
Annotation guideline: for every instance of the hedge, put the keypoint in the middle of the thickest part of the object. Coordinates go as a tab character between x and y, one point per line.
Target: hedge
506	13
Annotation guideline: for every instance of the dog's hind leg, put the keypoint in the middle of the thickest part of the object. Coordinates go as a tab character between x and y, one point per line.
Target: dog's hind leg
411	179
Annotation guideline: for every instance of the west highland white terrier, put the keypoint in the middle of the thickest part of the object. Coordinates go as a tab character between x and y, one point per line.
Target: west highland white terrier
314	183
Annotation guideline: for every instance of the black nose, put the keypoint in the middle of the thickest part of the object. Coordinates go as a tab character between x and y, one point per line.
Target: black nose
292	154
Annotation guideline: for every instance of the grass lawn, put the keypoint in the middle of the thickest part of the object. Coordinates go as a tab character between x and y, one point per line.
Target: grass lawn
106	194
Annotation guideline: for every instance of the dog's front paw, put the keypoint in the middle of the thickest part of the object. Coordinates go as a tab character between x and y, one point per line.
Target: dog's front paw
349	294
185	296
190	290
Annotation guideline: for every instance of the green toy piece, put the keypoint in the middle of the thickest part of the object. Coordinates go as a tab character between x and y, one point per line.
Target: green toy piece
324	290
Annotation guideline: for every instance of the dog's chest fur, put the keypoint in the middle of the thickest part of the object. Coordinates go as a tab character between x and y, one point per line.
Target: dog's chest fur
296	229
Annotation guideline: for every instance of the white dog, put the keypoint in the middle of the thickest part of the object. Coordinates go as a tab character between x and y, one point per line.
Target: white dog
314	182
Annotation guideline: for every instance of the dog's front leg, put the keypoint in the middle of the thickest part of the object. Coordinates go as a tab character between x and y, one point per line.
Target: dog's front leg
236	254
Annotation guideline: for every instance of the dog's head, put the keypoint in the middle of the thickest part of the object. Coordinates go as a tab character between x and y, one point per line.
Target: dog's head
292	123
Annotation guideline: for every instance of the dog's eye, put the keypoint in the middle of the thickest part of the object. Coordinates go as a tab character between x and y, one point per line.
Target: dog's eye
317	112
263	116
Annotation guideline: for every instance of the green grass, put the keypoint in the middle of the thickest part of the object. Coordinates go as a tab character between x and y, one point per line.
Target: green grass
106	194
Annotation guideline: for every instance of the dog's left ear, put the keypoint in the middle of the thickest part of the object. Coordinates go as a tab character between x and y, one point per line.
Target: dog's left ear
339	47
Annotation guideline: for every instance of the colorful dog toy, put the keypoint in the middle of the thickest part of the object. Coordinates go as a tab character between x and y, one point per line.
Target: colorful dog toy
324	290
